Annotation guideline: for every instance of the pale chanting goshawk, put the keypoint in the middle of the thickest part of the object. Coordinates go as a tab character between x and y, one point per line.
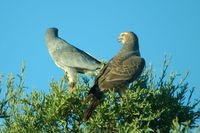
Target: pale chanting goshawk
69	58
121	70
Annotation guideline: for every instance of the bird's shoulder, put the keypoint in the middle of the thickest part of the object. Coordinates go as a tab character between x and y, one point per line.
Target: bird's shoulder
127	67
133	63
134	60
65	46
74	51
68	55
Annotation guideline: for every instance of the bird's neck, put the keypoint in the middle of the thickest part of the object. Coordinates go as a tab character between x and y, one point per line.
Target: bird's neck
50	39
51	35
130	48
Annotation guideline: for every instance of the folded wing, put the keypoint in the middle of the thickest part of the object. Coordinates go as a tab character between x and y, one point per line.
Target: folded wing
116	75
70	56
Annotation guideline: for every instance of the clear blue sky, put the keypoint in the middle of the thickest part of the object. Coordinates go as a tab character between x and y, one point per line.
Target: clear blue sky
171	27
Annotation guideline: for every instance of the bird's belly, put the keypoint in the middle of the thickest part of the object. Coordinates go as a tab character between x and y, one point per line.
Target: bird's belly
61	66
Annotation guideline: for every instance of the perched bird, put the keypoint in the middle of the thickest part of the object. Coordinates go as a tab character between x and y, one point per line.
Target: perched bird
69	58
121	70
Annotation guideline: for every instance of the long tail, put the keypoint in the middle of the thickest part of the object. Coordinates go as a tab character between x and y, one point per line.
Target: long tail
94	98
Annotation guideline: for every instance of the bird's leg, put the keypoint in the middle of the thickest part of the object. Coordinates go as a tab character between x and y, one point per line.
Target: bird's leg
122	98
121	93
65	76
71	87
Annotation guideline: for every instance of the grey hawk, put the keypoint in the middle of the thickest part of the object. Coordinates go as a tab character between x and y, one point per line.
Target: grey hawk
69	58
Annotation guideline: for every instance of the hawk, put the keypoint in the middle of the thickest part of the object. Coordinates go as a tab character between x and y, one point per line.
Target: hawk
69	58
121	70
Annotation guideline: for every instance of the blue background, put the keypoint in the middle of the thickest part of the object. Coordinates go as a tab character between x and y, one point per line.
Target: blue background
171	27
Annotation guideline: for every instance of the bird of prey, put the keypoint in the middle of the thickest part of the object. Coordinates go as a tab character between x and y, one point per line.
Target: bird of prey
69	58
121	70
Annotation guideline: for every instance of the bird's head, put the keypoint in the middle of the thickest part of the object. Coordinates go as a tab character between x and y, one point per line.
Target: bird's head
53	29
127	38
51	32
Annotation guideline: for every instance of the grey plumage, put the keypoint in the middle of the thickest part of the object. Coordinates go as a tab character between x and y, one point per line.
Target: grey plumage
121	70
69	58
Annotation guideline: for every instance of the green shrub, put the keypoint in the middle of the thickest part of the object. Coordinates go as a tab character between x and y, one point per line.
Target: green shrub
149	105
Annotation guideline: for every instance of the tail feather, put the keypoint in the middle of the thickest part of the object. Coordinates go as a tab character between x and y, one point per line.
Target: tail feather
94	97
91	108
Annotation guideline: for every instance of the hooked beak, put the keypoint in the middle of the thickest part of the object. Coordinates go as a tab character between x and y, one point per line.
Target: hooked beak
119	39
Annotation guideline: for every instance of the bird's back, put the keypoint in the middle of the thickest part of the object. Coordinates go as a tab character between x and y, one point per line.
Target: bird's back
66	55
120	72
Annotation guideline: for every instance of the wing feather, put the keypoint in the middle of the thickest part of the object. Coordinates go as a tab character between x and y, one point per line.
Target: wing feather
70	56
121	72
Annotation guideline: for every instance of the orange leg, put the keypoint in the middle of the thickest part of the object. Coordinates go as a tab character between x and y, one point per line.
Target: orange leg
71	87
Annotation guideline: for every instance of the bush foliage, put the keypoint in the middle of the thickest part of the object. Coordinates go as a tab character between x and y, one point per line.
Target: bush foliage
149	105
